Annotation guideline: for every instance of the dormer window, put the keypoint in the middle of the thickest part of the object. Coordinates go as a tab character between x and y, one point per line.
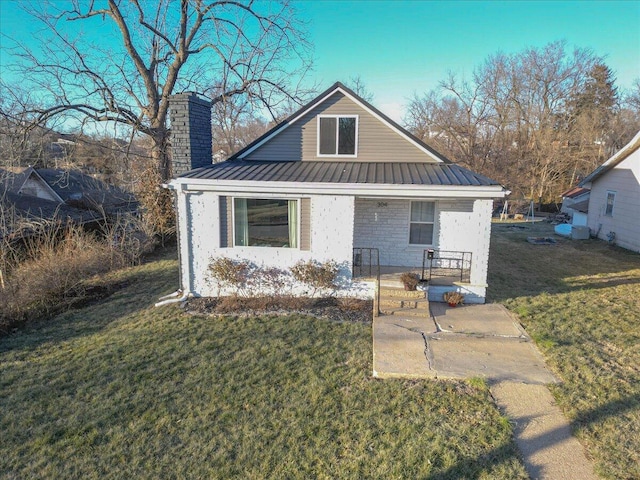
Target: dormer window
337	135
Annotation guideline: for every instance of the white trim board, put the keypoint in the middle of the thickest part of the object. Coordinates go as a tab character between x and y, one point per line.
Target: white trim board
350	189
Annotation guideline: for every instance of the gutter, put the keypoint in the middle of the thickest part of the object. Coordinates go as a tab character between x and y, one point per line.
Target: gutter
353	189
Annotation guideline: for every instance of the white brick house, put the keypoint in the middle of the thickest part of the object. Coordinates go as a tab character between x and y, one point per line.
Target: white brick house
338	175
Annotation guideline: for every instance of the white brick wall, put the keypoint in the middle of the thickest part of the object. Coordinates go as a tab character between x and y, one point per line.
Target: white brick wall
338	223
465	225
384	224
331	238
462	225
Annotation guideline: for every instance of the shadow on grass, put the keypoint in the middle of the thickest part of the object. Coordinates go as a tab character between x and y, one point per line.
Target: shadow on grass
610	409
140	287
518	268
468	467
559	435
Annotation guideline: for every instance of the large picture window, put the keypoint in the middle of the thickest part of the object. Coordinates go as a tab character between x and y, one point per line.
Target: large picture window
422	222
266	222
337	135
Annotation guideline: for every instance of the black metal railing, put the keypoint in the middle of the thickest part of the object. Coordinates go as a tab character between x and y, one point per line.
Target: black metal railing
446	263
366	262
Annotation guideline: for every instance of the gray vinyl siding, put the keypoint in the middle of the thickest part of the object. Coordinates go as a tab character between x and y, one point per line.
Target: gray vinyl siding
376	141
286	146
623	180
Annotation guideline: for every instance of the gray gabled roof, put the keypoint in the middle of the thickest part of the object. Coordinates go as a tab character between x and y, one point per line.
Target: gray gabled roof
25	214
389	173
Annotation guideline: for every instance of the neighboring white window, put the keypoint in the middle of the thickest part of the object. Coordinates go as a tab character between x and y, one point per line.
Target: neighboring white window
422	222
611	200
265	222
337	135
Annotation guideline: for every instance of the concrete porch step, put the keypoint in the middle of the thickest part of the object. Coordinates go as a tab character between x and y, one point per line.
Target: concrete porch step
391	283
403	302
407	311
400	292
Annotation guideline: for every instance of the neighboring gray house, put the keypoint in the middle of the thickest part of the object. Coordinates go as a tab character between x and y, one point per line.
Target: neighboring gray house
33	197
70	187
614	201
335	179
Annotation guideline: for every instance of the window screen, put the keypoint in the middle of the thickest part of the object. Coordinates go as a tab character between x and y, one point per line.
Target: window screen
328	136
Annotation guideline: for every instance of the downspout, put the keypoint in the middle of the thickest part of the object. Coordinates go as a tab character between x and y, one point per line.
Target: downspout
174	298
182	294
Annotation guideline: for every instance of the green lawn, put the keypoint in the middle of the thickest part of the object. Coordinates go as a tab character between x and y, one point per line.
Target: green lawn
120	389
580	301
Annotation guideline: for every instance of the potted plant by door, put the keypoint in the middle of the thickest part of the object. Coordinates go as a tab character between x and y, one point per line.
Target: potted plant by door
453	298
410	280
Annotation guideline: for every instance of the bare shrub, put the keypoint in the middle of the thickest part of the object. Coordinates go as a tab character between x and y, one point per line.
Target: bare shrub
158	213
410	280
234	274
318	276
274	281
131	236
53	272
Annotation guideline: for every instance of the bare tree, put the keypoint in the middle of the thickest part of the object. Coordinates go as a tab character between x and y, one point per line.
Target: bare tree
357	85
23	140
516	119
243	47
632	98
235	124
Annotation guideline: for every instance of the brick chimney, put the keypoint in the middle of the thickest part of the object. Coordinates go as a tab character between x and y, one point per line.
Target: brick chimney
190	132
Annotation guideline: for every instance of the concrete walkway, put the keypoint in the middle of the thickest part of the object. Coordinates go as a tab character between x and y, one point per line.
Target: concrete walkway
542	433
486	341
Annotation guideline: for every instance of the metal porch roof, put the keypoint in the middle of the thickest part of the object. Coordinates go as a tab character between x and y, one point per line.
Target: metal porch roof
387	173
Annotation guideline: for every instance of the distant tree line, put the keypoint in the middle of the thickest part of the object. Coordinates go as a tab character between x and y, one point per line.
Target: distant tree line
537	120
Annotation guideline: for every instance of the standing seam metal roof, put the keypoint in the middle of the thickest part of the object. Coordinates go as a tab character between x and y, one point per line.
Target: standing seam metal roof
388	173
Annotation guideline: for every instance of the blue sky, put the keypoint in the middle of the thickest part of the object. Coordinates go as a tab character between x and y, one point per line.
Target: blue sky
402	47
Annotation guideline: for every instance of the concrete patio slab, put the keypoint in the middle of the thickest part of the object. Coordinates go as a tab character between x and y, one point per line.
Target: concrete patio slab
399	348
494	358
483	341
488	319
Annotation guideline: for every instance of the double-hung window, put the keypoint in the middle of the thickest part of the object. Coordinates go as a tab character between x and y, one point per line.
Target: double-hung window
421	224
262	222
338	135
611	200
